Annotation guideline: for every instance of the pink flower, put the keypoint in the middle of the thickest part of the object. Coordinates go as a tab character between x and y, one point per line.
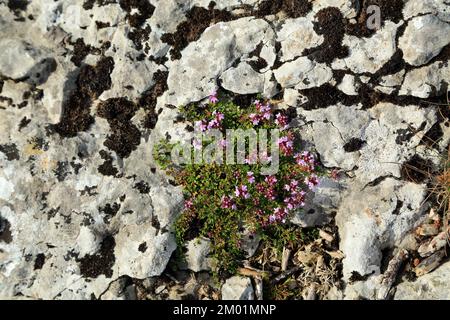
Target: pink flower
286	145
213	124
271	180
312	181
200	125
254	118
213	97
242	192
188	204
306	160
228	203
272	218
219	116
281	120
250	177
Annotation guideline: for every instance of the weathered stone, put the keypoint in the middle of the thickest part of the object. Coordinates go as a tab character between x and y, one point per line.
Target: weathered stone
237	288
423	39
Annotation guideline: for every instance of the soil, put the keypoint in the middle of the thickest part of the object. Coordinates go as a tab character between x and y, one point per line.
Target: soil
92	266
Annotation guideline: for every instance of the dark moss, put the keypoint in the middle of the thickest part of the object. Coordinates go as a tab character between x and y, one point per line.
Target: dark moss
90	84
62	170
109	211
23	123
197	20
80	51
144	11
354	145
107	168
143	247
149	98
331	24
39	261
125	136
390	10
142	186
10	150
5	231
92	266
17	6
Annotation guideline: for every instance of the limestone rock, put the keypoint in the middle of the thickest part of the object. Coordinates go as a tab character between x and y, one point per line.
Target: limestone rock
237	288
423	39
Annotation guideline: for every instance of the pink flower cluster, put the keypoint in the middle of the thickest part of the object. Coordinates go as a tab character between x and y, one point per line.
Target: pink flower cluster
312	181
242	192
306	161
228	203
296	197
264	112
213	97
282	121
286	145
215	123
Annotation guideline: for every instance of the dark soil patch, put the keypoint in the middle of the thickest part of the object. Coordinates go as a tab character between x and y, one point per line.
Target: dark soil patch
62	170
325	96
143	247
125	135
80	51
107	168
390	10
416	169
23	123
198	19
354	145
92	266
292	8
17	6
39	261
149	98
89	4
5	231
142	186
90	84
259	63
144	11
109	211
10	150
330	23
139	36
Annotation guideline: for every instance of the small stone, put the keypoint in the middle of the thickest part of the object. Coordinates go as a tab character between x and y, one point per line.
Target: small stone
237	288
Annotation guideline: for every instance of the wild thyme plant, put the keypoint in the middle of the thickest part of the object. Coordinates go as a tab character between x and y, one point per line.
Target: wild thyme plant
223	199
